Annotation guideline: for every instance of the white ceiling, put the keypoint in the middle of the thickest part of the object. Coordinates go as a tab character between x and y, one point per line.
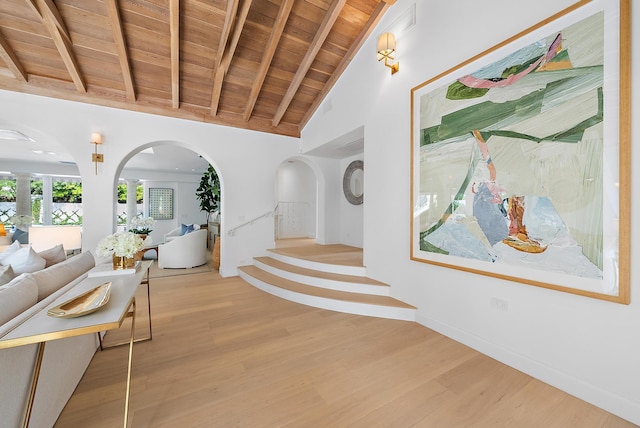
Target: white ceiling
16	148
40	155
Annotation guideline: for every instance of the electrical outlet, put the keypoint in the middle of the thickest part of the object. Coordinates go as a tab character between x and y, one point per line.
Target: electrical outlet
499	304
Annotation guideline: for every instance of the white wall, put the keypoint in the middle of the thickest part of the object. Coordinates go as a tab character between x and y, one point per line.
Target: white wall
350	216
246	161
587	347
186	208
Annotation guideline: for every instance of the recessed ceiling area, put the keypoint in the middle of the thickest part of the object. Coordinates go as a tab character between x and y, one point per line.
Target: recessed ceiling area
345	146
41	155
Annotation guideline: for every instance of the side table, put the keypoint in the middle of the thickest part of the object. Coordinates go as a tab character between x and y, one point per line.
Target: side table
144	281
41	328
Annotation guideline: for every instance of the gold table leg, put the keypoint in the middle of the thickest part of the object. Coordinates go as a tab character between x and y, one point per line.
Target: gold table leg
142	339
34	384
131	341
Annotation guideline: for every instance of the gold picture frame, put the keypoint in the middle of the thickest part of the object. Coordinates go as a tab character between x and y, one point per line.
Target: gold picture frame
520	157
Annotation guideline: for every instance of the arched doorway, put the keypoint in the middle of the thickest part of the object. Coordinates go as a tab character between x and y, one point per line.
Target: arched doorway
167	168
296	196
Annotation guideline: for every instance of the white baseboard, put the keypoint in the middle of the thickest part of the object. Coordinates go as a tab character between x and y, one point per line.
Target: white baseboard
603	399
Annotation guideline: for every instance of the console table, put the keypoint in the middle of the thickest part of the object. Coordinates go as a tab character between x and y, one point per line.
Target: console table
41	328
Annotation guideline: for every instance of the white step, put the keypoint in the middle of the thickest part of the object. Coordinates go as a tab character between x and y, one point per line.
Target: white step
332	281
324	267
324	298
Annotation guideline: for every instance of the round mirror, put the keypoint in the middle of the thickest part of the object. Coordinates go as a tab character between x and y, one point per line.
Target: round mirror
353	182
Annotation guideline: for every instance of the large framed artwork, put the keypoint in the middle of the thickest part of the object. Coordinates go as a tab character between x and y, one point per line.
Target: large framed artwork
161	203
520	157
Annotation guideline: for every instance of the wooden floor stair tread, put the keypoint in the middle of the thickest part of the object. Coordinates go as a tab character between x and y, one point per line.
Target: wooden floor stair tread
337	254
293	286
319	274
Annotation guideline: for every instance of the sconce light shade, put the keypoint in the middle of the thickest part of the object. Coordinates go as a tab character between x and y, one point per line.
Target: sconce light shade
387	51
96	139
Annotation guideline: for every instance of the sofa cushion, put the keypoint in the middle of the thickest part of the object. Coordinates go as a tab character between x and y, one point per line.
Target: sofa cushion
6	274
53	255
5	240
53	278
15	246
20	236
17	296
25	260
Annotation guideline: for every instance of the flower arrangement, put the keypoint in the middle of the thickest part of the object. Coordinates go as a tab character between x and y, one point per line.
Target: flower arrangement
121	244
21	221
142	225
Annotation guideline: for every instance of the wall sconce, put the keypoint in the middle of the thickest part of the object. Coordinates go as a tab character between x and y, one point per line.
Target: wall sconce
387	51
96	157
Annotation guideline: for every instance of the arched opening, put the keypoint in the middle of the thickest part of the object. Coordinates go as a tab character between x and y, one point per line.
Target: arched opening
167	174
297	201
40	190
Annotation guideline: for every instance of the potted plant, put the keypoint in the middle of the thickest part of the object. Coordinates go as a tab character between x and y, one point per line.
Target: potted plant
122	247
208	192
142	226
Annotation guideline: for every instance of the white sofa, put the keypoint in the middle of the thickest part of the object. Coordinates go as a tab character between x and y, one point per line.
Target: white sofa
64	361
185	251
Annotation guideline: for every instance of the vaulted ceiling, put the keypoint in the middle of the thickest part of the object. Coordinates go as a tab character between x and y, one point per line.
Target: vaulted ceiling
257	64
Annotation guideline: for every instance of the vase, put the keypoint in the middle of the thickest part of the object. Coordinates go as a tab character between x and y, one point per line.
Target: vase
123	262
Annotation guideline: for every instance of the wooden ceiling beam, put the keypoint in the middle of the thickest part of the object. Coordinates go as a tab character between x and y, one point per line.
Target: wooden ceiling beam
123	55
174	31
51	18
321	35
227	55
373	20
13	63
229	20
267	56
57	18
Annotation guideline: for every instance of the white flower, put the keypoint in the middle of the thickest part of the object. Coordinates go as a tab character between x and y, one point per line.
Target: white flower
21	221
142	224
125	244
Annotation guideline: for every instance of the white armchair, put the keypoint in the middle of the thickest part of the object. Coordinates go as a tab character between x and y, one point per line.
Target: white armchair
175	233
184	251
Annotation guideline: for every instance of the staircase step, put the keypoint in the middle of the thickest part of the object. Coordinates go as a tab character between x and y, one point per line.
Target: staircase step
350	265
341	301
333	281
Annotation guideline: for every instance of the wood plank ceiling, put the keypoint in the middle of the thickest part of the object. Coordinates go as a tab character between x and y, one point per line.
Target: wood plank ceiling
264	65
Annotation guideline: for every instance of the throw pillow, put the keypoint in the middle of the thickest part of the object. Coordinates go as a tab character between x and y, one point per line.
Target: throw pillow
6	274
59	275
3	232
25	260
186	229
5	240
17	296
15	246
53	255
21	236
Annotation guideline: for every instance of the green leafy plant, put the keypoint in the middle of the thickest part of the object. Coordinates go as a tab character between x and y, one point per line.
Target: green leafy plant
208	192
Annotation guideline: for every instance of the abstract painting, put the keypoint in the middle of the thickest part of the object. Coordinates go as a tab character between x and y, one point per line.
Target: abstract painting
517	158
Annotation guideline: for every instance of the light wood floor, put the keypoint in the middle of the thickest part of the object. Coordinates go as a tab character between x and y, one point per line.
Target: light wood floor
225	354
